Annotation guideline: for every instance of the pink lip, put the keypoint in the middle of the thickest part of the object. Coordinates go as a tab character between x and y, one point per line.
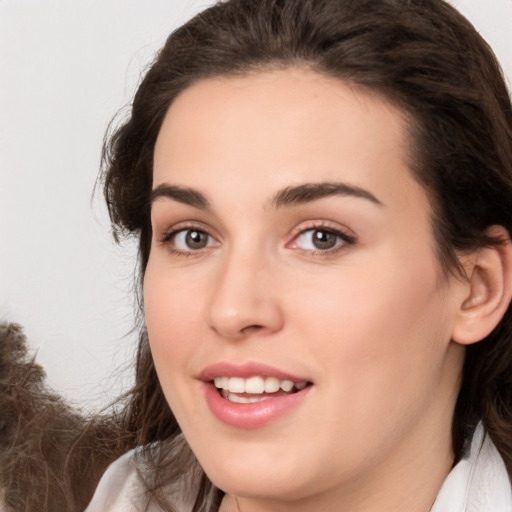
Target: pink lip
251	369
251	415
255	414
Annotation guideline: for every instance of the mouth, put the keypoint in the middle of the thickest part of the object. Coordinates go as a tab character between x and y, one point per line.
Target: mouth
252	395
256	388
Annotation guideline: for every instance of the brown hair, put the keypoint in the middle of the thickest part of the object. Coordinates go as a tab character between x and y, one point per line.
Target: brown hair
424	57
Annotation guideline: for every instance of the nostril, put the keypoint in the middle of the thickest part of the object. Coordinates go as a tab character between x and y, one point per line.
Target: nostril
252	328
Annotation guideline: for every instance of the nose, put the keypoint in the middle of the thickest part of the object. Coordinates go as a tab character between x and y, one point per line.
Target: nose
245	299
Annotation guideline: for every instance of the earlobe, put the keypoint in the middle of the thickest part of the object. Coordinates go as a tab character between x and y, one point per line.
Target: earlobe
488	290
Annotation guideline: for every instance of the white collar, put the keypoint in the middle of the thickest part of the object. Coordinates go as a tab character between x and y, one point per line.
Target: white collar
478	483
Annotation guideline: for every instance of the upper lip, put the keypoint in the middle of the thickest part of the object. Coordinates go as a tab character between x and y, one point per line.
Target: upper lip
246	370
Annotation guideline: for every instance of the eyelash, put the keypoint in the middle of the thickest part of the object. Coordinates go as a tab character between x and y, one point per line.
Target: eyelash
169	237
346	239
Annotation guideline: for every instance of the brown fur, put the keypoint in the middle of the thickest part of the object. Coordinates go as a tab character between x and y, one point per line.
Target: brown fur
51	456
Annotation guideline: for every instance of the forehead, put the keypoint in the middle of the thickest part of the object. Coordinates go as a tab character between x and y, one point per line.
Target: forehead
278	128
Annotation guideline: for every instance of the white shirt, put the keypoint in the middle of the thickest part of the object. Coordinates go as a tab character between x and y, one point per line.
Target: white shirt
478	483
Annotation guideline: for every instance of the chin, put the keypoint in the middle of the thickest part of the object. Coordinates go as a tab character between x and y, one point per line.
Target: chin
258	485
265	474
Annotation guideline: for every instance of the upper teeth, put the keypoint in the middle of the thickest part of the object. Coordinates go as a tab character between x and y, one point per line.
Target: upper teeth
256	385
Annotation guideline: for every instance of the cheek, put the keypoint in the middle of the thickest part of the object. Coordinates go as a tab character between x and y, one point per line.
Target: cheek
171	303
171	317
379	344
378	332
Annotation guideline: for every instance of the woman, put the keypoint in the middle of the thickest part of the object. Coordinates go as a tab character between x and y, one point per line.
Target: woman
321	192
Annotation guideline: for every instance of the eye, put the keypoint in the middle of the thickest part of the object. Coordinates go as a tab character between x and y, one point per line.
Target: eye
321	240
191	239
188	240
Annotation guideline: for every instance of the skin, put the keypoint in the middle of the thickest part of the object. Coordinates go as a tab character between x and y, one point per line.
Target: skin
369	322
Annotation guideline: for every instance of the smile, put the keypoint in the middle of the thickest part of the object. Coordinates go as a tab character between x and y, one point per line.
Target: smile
251	396
255	389
266	387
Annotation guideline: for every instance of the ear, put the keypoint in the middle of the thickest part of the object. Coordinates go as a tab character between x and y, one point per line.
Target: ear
487	292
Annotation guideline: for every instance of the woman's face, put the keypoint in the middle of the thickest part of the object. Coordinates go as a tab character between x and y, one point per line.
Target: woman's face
293	249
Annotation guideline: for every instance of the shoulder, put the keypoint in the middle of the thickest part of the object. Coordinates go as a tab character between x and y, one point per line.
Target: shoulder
489	485
120	488
479	482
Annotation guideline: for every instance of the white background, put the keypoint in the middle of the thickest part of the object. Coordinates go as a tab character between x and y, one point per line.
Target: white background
66	67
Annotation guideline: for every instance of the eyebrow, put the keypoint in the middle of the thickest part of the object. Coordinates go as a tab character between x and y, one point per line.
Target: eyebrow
309	192
181	194
289	196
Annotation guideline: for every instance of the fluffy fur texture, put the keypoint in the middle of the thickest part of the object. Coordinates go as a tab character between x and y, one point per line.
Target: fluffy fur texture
51	455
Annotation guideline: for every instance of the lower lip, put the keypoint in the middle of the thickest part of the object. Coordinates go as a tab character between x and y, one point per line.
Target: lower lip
252	415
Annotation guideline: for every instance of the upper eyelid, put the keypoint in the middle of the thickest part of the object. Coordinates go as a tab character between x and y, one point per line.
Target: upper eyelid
184	226
325	224
347	235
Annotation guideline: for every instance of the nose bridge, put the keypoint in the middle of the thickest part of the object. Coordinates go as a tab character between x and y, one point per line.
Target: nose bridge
243	299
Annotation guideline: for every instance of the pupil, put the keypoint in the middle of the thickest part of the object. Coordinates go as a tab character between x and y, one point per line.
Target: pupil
324	240
196	239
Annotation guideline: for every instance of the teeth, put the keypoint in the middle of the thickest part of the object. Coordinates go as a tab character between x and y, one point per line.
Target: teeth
286	385
232	397
272	385
256	385
236	385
